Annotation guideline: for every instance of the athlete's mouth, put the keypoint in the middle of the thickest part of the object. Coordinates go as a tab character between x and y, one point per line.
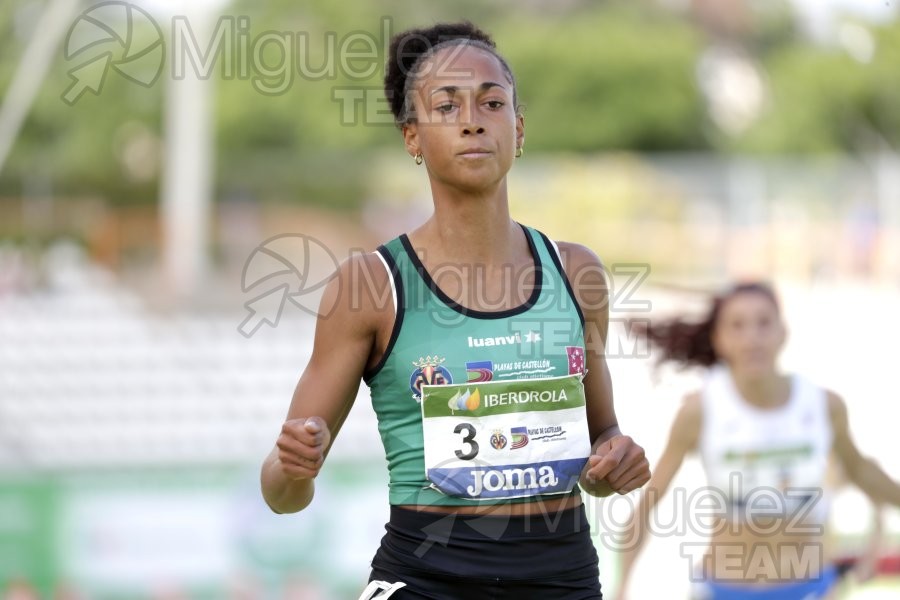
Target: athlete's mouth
475	152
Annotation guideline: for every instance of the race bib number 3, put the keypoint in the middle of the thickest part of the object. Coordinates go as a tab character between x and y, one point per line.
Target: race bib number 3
505	439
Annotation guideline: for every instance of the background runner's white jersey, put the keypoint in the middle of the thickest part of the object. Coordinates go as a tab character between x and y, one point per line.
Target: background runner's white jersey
754	454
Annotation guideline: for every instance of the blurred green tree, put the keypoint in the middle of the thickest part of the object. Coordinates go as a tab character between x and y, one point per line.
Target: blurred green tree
592	78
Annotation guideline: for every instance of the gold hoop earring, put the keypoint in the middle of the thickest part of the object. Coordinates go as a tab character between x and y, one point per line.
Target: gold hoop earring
520	150
418	158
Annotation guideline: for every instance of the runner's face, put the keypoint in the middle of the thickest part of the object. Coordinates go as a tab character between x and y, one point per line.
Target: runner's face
749	333
466	126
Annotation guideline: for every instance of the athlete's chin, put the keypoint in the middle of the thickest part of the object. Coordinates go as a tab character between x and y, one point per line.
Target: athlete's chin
754	369
477	182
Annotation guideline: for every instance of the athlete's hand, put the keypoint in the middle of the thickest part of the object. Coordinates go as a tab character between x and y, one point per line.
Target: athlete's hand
621	463
301	447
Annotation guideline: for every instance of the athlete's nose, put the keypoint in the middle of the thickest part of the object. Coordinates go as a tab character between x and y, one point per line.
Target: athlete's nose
469	119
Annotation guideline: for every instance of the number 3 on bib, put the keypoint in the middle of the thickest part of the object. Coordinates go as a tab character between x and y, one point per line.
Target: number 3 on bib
469	439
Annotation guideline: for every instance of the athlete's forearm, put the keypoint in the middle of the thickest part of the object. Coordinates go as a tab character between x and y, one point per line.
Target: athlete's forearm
628	557
632	538
281	493
630	541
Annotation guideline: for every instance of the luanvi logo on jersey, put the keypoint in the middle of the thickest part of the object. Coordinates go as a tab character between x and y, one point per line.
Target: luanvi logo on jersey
514	339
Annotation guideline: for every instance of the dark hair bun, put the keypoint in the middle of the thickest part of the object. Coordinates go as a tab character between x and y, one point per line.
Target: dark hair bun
408	46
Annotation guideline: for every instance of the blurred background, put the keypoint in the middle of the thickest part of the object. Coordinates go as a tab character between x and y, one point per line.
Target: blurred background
178	178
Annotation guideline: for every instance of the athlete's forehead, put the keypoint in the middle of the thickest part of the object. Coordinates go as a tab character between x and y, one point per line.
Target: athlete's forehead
747	303
462	67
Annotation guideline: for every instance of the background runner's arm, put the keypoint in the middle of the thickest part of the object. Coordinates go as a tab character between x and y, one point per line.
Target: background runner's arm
683	438
345	333
861	470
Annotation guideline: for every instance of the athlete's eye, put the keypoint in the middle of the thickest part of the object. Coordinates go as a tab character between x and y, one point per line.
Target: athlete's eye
444	108
495	104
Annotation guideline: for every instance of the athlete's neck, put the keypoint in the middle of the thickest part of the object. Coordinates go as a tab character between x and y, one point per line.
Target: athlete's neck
471	229
765	391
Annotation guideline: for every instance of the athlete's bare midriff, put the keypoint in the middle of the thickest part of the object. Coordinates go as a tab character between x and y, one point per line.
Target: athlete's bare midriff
523	508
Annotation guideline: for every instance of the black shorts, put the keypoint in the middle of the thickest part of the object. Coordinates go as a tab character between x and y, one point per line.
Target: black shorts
473	557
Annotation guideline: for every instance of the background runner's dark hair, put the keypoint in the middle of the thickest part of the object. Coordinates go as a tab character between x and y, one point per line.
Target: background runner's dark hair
409	48
689	342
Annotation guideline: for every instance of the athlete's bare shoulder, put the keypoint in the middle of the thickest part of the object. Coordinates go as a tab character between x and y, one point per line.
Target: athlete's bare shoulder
837	410
577	255
587	276
360	288
692	403
688	421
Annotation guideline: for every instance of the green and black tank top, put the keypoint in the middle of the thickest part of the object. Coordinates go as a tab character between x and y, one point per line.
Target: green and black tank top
436	340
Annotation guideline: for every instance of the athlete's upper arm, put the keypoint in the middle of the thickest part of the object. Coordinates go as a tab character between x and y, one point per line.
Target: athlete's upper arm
587	276
844	447
684	437
345	334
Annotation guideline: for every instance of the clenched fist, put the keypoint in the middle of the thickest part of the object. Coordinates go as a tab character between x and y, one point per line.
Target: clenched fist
620	462
301	447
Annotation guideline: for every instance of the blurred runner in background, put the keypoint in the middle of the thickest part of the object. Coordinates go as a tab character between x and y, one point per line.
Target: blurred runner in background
765	439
